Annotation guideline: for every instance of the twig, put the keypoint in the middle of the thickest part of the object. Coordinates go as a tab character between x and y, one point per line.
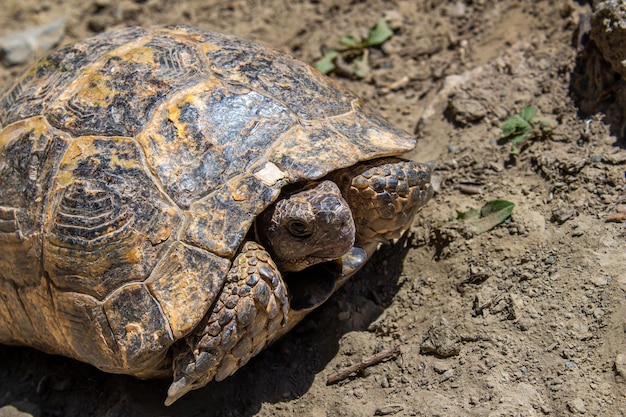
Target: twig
344	373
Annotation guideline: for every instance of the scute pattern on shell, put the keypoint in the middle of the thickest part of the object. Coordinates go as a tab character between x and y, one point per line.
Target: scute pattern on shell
155	84
36	91
132	166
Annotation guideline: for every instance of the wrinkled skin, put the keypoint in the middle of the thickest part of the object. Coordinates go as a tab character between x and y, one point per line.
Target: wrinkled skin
308	227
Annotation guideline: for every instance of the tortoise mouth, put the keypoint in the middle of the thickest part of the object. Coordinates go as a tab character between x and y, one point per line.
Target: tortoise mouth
300	265
312	286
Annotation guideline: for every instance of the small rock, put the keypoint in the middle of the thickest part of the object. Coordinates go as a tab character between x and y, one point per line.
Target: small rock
598	313
469	189
580	330
387	410
484	299
466	111
447	375
596	158
440	367
525	323
577	405
441	340
517	306
458	9
23	46
561	215
620	365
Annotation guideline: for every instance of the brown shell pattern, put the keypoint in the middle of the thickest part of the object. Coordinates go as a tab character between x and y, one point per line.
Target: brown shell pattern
147	153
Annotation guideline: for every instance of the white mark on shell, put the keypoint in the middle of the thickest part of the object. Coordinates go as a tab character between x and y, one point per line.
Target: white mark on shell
270	174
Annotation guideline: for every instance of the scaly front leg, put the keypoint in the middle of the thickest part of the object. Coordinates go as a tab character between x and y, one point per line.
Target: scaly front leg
251	309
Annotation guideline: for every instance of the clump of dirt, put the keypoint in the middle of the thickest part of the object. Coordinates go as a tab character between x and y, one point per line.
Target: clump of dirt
526	319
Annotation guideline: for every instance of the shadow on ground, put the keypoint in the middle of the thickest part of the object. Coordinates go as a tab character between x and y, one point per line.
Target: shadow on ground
48	385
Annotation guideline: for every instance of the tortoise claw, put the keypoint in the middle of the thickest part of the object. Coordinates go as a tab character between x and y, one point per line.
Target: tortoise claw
177	389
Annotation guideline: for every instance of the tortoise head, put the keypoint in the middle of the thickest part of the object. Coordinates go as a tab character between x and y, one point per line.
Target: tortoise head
308	226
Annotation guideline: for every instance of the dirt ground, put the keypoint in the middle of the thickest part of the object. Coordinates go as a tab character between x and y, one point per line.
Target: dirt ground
528	319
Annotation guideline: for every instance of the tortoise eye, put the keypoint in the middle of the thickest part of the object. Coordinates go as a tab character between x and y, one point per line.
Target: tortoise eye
299	228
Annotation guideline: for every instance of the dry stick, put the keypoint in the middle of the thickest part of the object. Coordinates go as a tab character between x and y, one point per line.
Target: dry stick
344	373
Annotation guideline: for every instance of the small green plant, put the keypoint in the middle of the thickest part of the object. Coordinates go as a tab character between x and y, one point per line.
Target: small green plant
523	127
474	222
356	49
489	216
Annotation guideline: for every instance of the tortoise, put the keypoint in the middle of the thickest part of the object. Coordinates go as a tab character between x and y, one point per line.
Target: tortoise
173	200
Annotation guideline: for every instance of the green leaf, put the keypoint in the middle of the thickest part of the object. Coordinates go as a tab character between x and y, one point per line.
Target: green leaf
351	42
491	214
515	126
516	130
327	63
379	33
519	128
494	206
528	113
467	215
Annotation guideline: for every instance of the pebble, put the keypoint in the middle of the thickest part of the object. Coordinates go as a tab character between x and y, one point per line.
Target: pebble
447	375
358	392
23	46
389	409
458	9
467	111
440	367
577	405
441	340
598	313
560	215
469	189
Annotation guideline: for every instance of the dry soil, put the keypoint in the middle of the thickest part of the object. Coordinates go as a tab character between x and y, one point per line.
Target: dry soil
528	319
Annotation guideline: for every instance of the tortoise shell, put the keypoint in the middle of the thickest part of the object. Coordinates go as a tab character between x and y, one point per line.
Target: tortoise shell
132	166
